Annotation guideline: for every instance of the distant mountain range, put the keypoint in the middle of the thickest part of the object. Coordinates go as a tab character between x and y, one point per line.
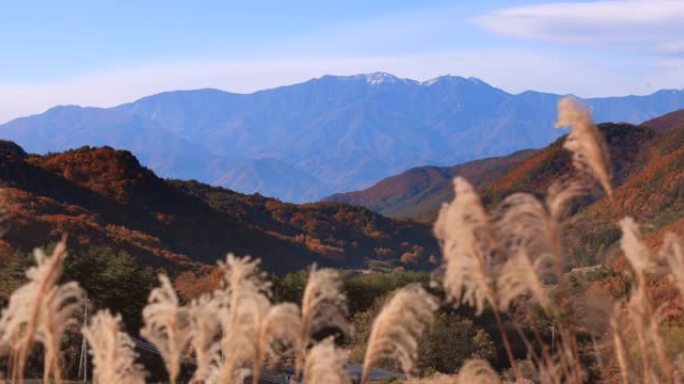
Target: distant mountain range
104	197
335	133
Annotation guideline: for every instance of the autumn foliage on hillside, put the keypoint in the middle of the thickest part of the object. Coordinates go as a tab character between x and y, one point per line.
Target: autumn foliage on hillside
102	196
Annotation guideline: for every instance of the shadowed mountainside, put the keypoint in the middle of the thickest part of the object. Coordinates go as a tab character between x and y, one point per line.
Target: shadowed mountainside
102	196
424	189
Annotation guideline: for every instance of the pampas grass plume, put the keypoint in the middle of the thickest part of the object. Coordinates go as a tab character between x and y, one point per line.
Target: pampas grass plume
520	276
398	327
167	326
282	323
635	250
246	296
113	351
29	316
589	151
323	305
205	315
673	253
325	364
468	243
63	302
477	371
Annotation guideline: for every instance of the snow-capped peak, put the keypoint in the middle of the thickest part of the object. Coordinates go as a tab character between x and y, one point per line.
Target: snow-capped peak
377	78
449	79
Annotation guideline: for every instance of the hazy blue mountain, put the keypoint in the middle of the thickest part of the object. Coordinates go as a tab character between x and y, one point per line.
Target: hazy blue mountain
335	133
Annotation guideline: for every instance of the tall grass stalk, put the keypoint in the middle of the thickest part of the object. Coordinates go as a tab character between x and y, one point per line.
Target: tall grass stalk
64	303
40	310
325	363
113	351
205	314
167	326
477	372
282	323
246	297
589	151
323	305
644	319
673	254
398	327
468	244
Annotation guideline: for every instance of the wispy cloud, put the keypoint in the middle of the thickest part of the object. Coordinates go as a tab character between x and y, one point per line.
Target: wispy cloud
619	22
417	44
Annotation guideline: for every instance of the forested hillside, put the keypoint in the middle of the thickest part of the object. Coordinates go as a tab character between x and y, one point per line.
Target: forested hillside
101	196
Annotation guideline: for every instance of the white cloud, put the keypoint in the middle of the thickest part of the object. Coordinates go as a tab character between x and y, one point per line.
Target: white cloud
419	45
621	22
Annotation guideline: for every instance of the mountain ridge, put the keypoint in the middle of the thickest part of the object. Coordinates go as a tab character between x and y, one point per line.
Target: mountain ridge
409	193
105	197
305	141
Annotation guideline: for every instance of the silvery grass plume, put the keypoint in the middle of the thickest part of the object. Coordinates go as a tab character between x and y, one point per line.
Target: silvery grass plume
644	320
325	363
398	327
619	345
468	242
26	320
672	252
589	158
167	326
519	276
530	240
477	371
246	296
63	302
528	232
282	323
523	222
323	305
589	151
636	251
205	314
113	351
647	360
474	371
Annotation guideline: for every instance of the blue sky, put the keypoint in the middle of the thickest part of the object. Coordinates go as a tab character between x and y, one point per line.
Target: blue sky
104	53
